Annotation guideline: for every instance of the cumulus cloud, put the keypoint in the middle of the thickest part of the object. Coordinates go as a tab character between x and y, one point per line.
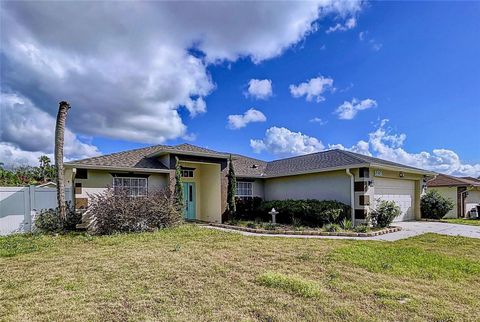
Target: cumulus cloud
318	120
313	88
260	88
282	141
127	68
26	132
348	110
381	143
347	25
252	115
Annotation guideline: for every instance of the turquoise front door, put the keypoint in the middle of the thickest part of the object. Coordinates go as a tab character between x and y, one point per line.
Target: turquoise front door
189	200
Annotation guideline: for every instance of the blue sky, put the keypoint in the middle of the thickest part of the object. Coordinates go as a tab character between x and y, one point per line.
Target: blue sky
413	63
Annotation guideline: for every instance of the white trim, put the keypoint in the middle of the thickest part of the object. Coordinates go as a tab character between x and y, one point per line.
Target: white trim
137	187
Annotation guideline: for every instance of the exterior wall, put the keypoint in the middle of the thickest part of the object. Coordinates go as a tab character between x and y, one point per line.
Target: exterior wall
334	185
99	180
450	193
208	199
258	187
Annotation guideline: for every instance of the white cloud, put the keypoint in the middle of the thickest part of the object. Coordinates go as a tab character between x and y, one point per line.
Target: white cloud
127	68
314	88
282	141
381	143
348	110
374	44
26	132
318	120
349	24
260	88
252	115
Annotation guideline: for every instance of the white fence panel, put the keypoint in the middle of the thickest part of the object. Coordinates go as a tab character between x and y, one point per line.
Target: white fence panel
18	204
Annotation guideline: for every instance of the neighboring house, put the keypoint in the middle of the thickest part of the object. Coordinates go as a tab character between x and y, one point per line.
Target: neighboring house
49	184
463	191
354	179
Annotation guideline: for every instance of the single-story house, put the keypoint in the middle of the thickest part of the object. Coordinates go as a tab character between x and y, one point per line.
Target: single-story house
463	191
354	179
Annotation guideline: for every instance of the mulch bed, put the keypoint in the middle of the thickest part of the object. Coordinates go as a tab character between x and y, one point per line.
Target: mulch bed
384	231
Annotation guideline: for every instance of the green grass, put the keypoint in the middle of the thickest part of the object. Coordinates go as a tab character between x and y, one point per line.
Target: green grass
292	284
192	273
462	221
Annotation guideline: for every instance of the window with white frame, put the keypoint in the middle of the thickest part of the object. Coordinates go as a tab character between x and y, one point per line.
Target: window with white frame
134	186
187	173
244	189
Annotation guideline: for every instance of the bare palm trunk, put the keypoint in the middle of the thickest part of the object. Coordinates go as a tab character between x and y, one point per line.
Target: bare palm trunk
59	138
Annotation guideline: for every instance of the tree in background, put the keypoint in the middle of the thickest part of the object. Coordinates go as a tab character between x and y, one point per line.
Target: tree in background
47	171
231	189
59	140
28	175
178	192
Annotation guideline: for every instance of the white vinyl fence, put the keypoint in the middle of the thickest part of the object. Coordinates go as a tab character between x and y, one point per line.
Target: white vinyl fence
18	206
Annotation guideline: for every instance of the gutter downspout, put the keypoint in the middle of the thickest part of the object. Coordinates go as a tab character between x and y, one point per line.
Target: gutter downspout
352	194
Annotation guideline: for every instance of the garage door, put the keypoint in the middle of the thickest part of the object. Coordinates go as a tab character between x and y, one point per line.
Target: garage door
400	191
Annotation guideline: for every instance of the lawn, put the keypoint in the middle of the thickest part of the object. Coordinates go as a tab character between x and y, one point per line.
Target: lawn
192	273
462	221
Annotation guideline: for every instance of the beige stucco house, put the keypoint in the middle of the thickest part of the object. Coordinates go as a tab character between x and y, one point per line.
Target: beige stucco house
354	179
463	191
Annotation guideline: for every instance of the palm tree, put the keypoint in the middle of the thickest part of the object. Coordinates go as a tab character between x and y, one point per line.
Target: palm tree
44	167
59	138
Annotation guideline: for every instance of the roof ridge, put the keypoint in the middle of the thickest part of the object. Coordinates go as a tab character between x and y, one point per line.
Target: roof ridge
302	155
354	155
120	152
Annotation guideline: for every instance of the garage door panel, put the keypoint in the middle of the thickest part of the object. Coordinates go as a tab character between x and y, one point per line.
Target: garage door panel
402	192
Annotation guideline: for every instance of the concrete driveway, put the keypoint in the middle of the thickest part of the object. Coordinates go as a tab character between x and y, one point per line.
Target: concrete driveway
414	228
409	229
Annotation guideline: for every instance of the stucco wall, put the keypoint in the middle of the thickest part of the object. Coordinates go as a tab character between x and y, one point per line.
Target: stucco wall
97	181
450	193
333	185
208	202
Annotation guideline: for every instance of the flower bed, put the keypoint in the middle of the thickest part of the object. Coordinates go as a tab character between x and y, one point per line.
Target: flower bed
290	230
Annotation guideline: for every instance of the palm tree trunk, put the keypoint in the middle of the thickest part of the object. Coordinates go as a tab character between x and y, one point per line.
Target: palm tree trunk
59	139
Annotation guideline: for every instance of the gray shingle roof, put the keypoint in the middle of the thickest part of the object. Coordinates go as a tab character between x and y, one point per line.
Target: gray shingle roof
145	158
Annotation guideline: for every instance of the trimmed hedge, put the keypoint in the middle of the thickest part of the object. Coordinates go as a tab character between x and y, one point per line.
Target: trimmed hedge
309	212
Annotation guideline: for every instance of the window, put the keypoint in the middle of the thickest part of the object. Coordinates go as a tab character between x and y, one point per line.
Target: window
81	174
364	173
244	189
134	186
187	173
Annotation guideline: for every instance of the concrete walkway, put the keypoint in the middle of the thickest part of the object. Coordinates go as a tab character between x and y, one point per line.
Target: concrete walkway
409	229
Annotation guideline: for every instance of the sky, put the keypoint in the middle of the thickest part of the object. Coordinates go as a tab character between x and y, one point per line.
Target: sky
396	80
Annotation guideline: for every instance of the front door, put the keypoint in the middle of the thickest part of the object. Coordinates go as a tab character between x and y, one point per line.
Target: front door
189	200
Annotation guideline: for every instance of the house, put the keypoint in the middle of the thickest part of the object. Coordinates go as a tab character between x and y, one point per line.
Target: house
463	191
354	179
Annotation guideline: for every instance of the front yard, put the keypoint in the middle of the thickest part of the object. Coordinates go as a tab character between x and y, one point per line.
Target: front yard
462	221
192	273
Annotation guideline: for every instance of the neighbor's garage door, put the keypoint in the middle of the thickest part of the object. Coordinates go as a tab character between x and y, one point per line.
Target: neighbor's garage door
400	191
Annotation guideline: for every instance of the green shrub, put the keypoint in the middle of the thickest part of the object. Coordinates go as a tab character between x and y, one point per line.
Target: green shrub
361	228
434	206
382	216
248	208
332	228
346	224
251	225
311	212
48	221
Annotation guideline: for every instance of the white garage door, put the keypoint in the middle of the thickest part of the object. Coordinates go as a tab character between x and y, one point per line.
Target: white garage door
400	191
